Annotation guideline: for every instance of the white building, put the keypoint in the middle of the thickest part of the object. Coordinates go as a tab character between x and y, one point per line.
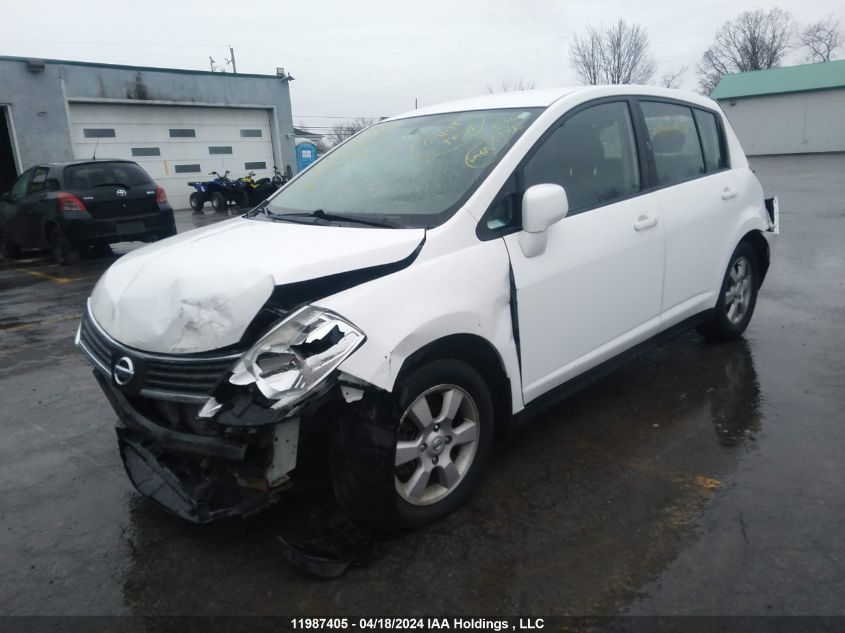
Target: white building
792	110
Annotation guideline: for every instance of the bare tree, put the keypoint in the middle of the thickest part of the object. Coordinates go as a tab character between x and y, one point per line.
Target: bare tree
821	39
342	131
613	55
585	56
512	86
672	78
755	40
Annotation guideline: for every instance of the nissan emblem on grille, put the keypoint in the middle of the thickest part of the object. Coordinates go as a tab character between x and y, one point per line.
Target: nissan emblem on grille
123	370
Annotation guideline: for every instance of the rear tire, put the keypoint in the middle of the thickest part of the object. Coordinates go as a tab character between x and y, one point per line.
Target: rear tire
8	248
444	438
737	297
63	251
218	201
197	201
102	250
243	199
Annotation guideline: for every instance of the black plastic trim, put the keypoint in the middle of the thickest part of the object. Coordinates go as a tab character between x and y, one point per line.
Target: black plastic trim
167	438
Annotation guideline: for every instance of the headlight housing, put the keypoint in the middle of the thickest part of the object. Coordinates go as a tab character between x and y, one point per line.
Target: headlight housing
298	354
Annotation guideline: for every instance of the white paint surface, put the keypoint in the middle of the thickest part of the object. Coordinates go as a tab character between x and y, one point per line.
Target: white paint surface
604	282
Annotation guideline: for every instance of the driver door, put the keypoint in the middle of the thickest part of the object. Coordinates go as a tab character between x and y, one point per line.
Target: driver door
596	289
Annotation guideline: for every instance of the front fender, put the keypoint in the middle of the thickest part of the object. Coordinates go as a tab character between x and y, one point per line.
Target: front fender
466	291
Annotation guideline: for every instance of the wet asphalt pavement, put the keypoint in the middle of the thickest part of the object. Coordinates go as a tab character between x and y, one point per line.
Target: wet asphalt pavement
699	479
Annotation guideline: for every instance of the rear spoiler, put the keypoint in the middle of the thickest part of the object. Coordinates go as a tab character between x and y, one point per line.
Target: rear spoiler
774	215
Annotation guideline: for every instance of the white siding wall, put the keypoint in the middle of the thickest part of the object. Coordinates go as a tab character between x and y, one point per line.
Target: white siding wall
803	122
148	126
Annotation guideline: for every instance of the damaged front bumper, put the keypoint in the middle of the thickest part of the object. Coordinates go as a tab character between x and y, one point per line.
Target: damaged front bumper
204	437
203	477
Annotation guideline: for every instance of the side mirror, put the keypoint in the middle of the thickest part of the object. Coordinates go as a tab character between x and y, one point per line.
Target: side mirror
542	206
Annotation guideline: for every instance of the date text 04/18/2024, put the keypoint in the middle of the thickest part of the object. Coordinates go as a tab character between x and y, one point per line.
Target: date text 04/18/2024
422	624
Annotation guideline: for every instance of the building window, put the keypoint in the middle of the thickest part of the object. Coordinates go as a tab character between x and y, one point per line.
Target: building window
146	151
182	133
251	133
187	169
220	149
98	132
256	165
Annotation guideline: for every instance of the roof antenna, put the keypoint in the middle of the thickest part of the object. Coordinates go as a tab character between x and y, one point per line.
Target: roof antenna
94	157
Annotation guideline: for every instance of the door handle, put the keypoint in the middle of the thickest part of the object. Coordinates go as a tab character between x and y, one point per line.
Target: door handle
728	193
644	222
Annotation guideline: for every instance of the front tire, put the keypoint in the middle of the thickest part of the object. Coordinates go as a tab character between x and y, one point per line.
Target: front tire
8	248
443	441
197	201
737	297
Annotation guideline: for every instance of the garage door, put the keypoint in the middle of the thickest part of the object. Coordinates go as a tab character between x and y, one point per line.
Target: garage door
176	144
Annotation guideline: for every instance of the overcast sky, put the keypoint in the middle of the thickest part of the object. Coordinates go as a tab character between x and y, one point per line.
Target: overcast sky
372	58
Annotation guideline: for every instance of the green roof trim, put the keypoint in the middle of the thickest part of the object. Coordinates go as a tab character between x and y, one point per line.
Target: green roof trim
821	76
152	69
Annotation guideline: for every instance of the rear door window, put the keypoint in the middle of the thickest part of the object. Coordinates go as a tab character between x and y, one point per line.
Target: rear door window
708	130
93	175
674	142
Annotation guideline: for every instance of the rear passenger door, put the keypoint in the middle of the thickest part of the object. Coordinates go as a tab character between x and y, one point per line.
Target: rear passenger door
595	291
697	192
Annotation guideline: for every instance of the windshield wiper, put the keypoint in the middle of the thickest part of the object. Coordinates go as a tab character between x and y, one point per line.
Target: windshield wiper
337	217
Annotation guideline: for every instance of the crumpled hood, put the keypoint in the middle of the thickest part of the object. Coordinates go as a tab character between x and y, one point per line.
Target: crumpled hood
199	290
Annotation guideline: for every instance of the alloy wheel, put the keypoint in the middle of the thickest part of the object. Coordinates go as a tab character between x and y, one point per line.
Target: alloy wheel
738	291
434	451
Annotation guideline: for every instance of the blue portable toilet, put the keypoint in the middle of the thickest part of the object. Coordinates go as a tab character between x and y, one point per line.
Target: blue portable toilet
306	153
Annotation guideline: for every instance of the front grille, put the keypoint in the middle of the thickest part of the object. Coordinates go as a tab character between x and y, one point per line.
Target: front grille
181	378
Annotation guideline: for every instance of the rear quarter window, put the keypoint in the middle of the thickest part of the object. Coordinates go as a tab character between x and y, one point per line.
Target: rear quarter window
708	129
91	175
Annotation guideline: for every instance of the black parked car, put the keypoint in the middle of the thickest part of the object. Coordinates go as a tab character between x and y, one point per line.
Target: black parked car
72	206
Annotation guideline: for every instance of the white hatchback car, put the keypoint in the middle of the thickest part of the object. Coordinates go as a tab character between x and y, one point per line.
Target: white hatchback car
404	298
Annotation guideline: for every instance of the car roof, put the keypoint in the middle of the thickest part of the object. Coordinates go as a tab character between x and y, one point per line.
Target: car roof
82	161
546	97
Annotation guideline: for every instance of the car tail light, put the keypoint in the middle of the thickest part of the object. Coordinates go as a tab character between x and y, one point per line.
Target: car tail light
69	202
161	196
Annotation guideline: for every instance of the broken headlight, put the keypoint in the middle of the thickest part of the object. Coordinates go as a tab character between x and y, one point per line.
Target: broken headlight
296	355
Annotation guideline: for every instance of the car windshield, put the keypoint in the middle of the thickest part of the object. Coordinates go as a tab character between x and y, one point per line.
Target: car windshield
412	172
91	175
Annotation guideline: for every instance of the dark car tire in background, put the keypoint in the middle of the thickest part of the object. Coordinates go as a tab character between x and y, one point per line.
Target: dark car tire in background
218	201
63	251
737	298
8	248
197	201
433	381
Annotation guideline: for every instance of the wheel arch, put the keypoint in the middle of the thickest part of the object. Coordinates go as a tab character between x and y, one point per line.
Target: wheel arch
477	352
761	247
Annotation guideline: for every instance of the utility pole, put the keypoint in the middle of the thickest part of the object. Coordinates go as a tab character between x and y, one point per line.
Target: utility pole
211	62
232	59
415	103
